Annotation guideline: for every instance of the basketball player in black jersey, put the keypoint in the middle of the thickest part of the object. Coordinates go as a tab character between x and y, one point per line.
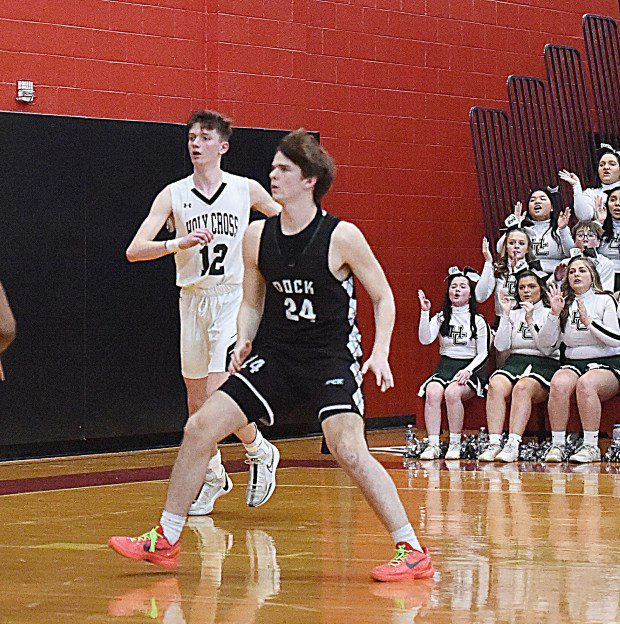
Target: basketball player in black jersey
298	281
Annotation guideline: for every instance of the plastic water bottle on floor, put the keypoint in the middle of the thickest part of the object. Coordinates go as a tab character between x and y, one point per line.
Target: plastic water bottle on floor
411	447
613	452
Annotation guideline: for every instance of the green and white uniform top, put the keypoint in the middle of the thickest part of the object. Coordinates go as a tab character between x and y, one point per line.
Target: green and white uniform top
544	247
516	335
601	339
584	199
459	344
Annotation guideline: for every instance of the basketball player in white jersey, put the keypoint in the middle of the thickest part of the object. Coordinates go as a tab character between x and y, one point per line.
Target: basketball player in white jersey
210	211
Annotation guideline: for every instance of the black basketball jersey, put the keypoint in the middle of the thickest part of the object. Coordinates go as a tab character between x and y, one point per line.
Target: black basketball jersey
308	311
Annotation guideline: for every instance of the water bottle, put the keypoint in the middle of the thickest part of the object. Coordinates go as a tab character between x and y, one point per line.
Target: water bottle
410	447
483	438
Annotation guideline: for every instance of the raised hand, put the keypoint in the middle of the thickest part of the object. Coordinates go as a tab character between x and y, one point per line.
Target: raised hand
564	218
528	306
518	210
200	236
486	252
556	299
600	209
560	272
425	304
505	302
583	313
570	177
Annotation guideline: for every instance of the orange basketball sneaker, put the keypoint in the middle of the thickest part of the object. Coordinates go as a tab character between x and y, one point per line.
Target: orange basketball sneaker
407	563
152	547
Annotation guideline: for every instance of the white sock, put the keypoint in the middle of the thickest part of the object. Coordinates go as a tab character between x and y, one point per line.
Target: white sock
590	438
407	534
495	438
172	525
558	438
433	440
515	437
455	438
215	465
255	445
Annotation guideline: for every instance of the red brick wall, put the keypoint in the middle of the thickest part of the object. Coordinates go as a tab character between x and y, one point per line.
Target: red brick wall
388	83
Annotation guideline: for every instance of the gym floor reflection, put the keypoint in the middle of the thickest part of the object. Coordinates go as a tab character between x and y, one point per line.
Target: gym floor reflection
512	543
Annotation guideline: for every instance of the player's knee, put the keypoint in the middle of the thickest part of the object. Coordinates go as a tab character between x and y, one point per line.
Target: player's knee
347	452
561	385
496	388
453	394
433	395
522	391
585	389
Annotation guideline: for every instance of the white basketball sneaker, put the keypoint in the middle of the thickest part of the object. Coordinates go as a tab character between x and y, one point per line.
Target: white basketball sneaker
262	480
211	490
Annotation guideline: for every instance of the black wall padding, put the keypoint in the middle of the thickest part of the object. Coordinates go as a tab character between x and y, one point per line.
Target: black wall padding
97	356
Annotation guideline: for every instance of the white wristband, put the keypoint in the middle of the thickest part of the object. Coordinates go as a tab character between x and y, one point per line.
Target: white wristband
172	245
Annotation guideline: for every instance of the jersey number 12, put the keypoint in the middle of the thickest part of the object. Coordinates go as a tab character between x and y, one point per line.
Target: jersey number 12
216	267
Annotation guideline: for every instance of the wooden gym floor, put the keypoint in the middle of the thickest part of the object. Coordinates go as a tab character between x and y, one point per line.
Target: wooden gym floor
516	543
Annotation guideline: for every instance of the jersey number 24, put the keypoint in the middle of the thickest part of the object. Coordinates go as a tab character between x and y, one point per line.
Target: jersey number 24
306	311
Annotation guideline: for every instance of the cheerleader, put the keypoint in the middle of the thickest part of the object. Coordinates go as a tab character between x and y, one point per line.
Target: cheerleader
585	319
547	227
525	377
607	178
516	246
608	212
464	348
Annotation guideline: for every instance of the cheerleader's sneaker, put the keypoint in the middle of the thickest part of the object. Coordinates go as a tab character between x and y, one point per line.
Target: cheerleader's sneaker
490	453
510	452
432	451
555	454
454	451
586	455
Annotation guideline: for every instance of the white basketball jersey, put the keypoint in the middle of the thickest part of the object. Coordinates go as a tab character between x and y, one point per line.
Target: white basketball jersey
226	214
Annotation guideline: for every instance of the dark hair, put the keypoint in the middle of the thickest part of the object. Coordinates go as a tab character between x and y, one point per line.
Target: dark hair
569	293
444	329
544	297
501	266
211	120
313	160
556	208
608	224
596	180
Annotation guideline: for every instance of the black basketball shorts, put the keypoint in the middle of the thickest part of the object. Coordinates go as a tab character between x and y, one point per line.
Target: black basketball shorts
272	383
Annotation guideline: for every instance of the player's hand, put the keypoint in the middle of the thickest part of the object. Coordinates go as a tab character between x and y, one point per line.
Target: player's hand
462	377
518	210
556	299
600	209
570	177
528	306
560	272
505	302
378	364
486	252
564	218
425	304
1	372
583	313
238	356
200	236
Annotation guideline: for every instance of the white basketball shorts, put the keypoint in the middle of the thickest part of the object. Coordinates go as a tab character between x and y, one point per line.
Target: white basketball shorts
208	328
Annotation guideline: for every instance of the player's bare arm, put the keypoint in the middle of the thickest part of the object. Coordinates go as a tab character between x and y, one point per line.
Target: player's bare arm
145	247
350	251
252	305
261	200
8	326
